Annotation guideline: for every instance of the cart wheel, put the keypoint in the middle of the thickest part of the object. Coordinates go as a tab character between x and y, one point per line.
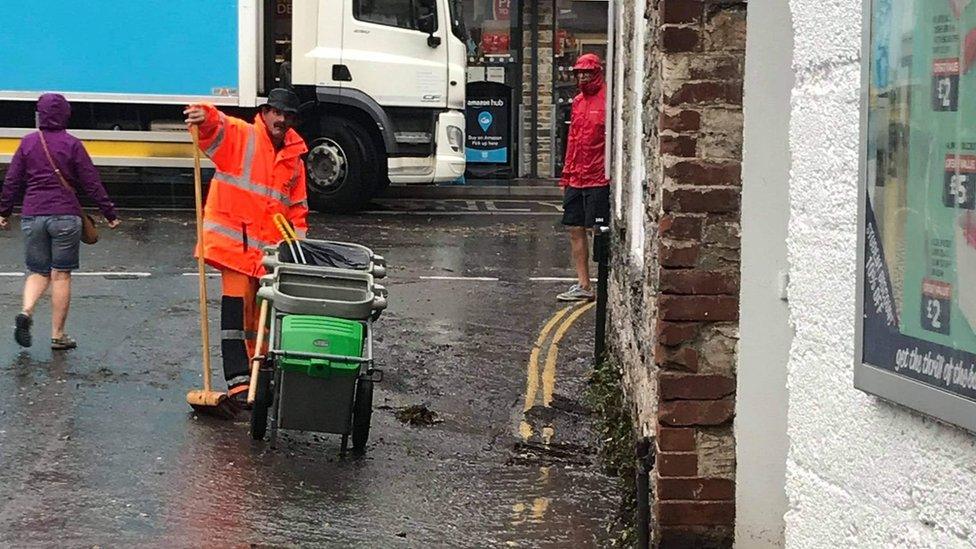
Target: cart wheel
262	401
362	413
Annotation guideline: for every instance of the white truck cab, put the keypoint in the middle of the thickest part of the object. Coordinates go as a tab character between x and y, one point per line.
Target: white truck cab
384	81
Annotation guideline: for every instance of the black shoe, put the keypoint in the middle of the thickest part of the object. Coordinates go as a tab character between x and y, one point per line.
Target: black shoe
22	332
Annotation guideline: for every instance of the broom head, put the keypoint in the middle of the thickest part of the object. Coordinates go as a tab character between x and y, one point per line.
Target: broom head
212	403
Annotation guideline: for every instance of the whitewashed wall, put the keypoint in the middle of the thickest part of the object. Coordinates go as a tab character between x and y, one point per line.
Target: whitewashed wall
860	472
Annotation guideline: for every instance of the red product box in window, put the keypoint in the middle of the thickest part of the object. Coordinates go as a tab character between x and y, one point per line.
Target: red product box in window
495	39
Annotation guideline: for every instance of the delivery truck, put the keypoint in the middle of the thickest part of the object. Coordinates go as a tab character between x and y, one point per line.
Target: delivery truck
382	81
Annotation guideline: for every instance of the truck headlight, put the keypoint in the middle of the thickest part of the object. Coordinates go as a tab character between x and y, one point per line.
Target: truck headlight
455	137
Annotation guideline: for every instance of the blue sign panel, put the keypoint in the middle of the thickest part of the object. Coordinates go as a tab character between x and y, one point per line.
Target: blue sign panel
489	130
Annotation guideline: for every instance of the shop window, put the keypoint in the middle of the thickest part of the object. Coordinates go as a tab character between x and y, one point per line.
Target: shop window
404	14
491	26
581	27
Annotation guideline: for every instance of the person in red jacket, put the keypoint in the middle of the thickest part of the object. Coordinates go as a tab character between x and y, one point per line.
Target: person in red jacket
260	173
586	194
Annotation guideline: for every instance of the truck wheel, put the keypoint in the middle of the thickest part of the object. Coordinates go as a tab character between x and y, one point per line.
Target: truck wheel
362	414
342	167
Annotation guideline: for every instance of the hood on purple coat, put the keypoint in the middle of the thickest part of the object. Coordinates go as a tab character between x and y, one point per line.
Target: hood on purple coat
53	112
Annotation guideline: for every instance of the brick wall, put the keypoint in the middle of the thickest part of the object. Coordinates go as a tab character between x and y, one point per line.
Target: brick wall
687	292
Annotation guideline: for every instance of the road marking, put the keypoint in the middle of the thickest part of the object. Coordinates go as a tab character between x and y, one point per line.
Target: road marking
532	385
129	275
114	274
462	278
539	505
549	373
121	274
496	279
440	212
501	206
491	207
555	279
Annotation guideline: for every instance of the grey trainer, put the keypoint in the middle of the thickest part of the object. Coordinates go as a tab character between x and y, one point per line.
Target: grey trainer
576	293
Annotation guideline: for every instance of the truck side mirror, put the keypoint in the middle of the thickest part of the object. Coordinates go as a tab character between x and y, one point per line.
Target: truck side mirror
426	11
428	24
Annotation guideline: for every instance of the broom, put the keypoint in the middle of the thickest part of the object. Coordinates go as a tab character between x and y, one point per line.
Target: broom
205	401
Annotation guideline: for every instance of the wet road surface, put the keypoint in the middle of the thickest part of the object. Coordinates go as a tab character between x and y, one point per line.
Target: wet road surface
97	445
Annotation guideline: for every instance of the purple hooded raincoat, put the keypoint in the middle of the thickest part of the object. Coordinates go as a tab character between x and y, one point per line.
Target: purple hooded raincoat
31	178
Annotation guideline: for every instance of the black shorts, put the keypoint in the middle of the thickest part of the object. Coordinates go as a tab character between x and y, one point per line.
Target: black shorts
586	207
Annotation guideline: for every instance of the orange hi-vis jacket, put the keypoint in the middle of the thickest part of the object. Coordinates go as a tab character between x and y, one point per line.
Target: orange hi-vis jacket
253	182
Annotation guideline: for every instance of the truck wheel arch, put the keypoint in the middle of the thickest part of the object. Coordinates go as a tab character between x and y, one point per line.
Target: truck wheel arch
359	107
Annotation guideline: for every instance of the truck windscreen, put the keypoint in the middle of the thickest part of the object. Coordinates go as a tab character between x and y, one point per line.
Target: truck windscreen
457	20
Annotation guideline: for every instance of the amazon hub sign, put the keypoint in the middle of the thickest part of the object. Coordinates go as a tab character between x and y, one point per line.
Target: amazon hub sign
488	124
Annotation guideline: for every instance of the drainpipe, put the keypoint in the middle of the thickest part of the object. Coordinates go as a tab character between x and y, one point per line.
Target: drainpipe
645	464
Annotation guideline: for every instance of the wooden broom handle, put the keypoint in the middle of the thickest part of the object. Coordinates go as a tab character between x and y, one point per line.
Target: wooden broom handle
201	264
252	391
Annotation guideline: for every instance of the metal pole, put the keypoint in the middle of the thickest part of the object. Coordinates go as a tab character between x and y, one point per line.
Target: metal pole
534	171
601	254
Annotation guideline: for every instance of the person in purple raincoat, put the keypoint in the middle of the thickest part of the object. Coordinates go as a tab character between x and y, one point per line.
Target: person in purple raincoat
51	213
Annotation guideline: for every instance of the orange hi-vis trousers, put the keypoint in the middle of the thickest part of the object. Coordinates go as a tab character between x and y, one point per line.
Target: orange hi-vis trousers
238	325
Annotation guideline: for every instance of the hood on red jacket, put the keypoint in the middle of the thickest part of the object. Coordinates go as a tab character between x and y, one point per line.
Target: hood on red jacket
590	62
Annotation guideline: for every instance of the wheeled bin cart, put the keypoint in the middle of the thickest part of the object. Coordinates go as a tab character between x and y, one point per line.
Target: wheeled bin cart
318	372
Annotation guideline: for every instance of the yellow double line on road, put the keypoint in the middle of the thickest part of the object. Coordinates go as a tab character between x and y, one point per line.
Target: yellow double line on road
547	378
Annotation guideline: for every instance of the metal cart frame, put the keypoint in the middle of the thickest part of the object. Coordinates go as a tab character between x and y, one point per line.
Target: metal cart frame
303	401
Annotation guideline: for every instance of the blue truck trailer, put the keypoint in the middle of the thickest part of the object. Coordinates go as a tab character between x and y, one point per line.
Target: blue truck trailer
382	81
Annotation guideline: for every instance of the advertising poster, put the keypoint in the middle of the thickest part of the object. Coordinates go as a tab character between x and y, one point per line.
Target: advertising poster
488	126
919	256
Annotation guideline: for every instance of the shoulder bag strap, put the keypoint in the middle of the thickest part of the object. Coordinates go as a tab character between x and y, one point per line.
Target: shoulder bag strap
50	159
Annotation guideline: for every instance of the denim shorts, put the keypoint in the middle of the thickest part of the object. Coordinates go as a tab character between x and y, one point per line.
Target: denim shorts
53	242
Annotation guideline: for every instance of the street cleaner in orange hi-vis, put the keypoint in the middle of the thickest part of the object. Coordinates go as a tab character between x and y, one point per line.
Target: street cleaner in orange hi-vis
260	173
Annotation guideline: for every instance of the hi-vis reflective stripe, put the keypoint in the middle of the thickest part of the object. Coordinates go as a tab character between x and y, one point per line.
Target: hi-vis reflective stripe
252	138
220	136
251	187
234	234
244	182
